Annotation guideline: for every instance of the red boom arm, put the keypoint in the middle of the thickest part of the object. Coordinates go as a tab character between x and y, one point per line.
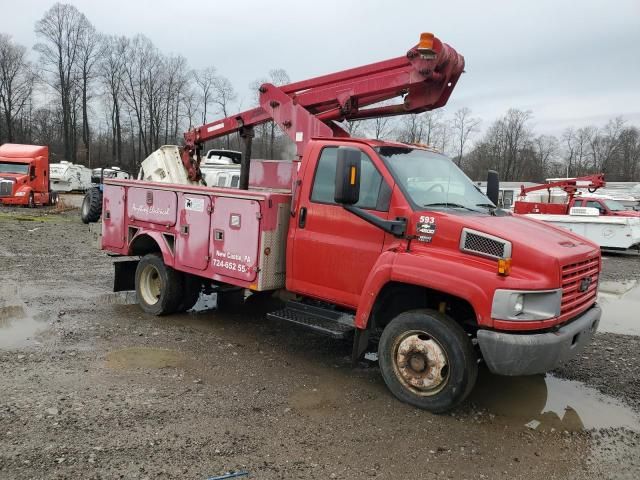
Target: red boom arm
424	77
569	185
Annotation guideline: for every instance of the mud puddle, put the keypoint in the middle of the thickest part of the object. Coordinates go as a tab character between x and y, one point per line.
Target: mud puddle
17	326
620	303
546	402
144	358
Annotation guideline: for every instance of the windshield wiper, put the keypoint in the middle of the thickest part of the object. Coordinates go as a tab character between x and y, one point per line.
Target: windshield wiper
449	204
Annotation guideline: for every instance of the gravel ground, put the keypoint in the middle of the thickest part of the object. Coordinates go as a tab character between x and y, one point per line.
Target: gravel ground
91	388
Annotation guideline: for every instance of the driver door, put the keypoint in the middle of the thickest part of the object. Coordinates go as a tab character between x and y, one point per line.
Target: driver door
333	250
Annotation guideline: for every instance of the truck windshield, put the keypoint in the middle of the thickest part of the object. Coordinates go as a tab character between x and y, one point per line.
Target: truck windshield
14	167
614	206
432	180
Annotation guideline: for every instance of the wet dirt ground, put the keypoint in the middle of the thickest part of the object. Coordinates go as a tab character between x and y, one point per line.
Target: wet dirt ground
90	387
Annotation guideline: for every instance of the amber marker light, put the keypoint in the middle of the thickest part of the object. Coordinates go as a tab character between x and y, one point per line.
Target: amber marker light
504	266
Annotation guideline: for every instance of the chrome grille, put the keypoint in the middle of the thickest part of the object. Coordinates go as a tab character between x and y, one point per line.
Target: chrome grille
579	286
483	244
6	187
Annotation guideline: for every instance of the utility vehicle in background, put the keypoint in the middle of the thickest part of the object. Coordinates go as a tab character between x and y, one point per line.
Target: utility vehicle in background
382	243
91	208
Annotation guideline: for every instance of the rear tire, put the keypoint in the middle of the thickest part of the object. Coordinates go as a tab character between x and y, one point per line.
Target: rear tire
91	209
427	360
159	288
54	198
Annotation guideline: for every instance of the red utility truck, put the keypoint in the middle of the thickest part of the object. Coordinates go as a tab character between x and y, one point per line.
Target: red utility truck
571	187
24	175
379	242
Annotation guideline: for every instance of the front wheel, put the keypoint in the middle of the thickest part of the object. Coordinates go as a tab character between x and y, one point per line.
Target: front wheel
427	360
159	288
32	201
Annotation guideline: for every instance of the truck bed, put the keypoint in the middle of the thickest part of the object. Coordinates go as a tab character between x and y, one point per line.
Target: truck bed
230	236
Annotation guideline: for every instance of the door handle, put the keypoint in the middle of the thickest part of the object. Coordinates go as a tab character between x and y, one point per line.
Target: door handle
302	217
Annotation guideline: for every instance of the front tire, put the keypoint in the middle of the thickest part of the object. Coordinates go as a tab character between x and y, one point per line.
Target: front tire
159	288
32	201
427	360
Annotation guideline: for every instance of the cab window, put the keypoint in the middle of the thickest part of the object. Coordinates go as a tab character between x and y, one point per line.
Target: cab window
375	194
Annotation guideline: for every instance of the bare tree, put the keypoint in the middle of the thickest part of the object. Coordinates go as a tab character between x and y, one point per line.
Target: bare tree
111	71
205	80
223	96
61	29
16	82
90	50
464	125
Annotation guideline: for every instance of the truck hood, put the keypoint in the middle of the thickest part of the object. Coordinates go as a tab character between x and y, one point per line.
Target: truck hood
626	213
16	177
532	238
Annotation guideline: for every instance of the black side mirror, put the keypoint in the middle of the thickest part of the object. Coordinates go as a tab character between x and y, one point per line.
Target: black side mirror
347	176
493	186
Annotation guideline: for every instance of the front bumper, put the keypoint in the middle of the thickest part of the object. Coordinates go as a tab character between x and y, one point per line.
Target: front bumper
528	354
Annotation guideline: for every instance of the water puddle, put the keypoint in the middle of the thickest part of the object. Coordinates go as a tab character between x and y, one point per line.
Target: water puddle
546	402
17	327
620	303
144	358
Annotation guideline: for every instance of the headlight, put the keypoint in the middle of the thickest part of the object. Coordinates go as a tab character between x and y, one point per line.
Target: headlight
518	305
526	305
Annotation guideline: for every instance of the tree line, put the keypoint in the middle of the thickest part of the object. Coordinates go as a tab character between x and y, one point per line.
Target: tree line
102	100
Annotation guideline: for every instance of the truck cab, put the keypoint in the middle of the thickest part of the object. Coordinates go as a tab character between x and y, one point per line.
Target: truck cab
606	206
24	175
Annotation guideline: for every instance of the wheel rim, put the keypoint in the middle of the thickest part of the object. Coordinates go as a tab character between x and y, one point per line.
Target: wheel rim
420	363
150	285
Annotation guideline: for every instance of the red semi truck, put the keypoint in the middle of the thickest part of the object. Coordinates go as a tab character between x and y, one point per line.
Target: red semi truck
379	242
24	175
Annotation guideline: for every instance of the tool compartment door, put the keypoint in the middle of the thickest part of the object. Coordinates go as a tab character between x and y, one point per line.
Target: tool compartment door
113	228
235	226
192	244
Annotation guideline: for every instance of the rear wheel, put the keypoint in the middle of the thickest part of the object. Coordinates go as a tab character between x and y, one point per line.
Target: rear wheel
91	206
159	288
427	360
54	198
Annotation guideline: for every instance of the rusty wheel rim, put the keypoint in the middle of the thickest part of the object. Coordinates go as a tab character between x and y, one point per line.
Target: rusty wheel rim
420	363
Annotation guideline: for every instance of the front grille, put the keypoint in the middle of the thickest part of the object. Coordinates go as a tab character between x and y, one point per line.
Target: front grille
484	244
575	277
6	188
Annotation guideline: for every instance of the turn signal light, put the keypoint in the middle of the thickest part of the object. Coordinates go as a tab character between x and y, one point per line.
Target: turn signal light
504	266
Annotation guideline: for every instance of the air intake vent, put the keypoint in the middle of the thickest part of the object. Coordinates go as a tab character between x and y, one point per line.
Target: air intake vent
483	244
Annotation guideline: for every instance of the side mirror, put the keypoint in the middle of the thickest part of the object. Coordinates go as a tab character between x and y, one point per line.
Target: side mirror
493	186
347	176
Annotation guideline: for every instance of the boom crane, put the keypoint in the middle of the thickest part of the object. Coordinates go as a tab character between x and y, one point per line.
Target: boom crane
569	185
424	78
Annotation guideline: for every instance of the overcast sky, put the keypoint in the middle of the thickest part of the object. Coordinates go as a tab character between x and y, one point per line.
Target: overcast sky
570	62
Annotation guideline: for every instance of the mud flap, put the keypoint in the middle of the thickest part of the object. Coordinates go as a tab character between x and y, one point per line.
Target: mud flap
360	345
124	275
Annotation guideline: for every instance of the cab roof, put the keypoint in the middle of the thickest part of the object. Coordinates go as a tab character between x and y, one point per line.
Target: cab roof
16	150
